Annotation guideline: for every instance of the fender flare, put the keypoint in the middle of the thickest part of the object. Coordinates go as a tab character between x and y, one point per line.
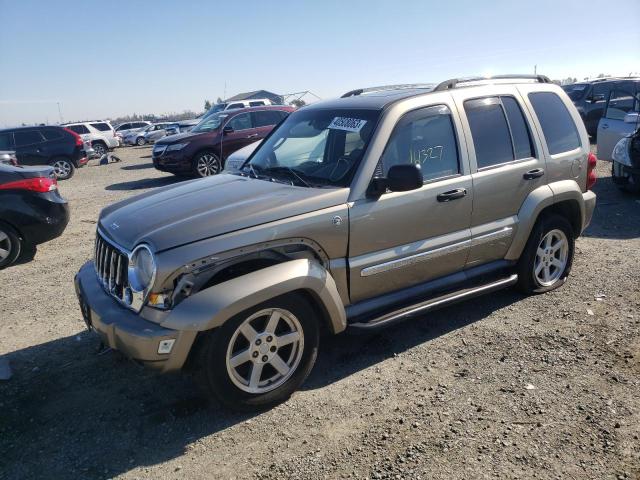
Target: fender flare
213	306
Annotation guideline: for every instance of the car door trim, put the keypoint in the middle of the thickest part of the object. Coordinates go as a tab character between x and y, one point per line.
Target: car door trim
436	252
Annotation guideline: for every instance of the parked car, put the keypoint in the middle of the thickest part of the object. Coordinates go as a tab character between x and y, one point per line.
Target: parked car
32	211
620	118
221	107
354	213
8	158
237	158
625	165
124	129
183	126
590	99
100	133
203	151
149	134
59	147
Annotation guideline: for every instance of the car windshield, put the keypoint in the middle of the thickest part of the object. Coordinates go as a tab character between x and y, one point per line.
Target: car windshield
315	148
575	91
210	123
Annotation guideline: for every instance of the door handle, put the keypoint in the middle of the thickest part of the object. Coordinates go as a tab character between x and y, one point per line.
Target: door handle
452	195
253	135
605	126
535	173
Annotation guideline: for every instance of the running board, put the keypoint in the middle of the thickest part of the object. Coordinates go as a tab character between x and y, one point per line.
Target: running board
434	303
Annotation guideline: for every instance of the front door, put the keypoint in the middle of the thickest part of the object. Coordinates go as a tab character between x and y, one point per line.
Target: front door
238	132
406	238
612	127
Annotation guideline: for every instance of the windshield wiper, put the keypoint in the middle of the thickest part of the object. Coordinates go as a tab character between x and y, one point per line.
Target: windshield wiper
289	170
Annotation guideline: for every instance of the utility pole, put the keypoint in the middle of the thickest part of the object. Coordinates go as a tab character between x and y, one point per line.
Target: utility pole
535	69
225	91
59	112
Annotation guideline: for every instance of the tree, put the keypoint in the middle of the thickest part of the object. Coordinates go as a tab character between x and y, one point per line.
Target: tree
218	100
207	105
298	102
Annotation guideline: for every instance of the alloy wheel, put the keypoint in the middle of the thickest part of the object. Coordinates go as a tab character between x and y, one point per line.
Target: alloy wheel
551	258
265	350
141	141
5	245
99	149
208	164
62	168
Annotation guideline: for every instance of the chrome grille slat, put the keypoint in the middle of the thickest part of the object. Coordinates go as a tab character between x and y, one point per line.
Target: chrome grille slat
111	265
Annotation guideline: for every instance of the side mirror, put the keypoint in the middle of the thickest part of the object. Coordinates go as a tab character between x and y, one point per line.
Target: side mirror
401	178
227	130
632	117
596	98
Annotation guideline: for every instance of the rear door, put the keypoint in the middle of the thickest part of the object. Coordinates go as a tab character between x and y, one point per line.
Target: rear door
622	101
238	132
406	238
30	147
506	166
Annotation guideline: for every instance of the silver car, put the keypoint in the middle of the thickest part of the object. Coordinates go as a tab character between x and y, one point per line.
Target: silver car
353	214
149	134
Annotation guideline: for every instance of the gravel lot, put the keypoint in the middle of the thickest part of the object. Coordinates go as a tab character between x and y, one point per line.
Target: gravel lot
504	386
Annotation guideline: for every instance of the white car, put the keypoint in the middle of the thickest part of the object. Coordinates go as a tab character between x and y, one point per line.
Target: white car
100	134
254	102
237	158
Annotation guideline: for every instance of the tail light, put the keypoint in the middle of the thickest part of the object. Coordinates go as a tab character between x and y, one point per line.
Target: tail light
38	184
78	138
592	161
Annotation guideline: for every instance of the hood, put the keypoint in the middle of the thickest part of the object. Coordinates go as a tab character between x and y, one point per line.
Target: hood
178	137
195	210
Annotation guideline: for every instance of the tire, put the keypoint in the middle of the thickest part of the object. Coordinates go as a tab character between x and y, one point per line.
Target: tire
63	167
625	186
547	258
206	164
100	148
10	245
140	141
235	385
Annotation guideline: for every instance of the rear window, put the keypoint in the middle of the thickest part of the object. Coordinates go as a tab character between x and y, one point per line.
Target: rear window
103	127
51	134
557	124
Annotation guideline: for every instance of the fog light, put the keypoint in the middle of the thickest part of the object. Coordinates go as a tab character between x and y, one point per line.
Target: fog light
165	346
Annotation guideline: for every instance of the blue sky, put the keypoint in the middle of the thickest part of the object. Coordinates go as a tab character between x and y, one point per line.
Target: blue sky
102	59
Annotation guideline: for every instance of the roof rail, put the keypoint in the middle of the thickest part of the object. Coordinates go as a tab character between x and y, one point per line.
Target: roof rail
453	83
360	91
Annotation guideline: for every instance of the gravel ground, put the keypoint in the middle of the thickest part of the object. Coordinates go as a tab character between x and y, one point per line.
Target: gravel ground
504	386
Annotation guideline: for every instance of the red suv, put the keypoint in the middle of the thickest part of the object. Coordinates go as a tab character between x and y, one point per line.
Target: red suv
203	151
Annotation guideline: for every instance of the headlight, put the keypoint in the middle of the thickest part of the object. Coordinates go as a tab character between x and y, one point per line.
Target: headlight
177	146
142	269
621	152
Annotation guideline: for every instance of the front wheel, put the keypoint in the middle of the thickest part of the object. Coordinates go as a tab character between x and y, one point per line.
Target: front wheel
206	164
547	258
10	245
258	358
140	141
100	148
63	168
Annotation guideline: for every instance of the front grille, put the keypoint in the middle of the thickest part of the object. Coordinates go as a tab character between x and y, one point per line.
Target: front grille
111	266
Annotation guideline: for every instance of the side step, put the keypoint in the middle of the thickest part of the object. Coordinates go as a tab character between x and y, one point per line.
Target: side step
434	303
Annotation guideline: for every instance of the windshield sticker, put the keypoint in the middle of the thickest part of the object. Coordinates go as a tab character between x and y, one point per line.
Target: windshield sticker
347	124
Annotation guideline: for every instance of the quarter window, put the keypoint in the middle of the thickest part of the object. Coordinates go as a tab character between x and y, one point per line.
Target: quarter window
424	137
27	138
557	124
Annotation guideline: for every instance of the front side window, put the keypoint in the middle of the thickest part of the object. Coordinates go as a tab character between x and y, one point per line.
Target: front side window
557	124
241	122
103	127
315	148
424	137
27	138
620	103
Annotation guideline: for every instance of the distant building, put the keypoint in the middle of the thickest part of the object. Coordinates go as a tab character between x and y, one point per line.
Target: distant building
275	98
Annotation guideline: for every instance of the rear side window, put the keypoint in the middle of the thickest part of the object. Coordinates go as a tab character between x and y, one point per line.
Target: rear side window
5	141
424	137
51	134
620	103
241	122
124	126
140	125
256	104
557	124
79	129
267	118
103	127
489	130
27	138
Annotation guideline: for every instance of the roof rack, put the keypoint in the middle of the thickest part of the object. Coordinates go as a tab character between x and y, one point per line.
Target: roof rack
360	91
453	83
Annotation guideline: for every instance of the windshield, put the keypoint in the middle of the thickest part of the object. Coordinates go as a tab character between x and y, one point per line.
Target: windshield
315	148
575	91
210	123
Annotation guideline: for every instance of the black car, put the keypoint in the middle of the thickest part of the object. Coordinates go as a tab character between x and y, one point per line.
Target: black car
590	98
32	211
46	145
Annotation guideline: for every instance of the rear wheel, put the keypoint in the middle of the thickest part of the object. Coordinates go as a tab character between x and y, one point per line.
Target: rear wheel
206	164
100	148
10	245
258	358
547	258
63	168
140	141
